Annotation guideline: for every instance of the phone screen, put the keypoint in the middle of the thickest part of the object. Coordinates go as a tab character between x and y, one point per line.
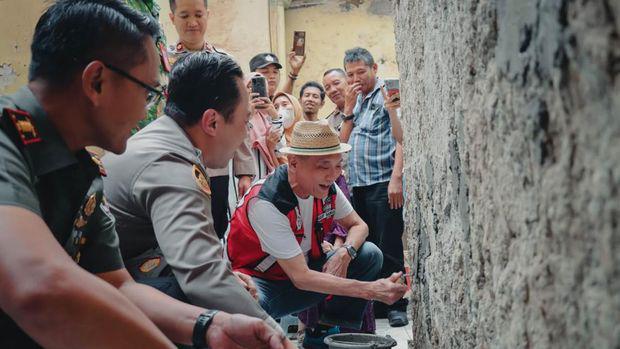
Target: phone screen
259	85
299	43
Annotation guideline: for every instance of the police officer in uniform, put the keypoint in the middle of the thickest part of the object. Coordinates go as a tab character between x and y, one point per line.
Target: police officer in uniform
63	281
159	190
190	18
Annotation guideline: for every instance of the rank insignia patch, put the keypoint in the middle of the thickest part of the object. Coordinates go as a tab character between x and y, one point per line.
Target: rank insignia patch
150	264
201	180
24	126
95	158
89	208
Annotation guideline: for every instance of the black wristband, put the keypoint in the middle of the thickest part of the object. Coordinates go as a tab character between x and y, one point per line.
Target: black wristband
348	117
199	336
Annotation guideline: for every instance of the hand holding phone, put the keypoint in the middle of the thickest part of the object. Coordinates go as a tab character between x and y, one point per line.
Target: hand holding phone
392	86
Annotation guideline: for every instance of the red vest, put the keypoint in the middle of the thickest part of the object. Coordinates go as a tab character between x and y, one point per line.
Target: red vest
243	246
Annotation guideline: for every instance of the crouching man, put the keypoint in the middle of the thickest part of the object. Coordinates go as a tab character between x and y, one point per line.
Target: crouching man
277	232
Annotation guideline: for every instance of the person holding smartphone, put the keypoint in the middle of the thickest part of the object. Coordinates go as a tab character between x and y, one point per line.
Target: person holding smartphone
375	166
269	66
266	131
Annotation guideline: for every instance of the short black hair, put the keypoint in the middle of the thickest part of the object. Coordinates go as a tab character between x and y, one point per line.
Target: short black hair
72	33
335	70
200	81
358	54
312	84
173	5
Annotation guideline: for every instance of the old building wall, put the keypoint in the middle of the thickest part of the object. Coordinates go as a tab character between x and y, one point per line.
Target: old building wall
240	27
17	20
512	116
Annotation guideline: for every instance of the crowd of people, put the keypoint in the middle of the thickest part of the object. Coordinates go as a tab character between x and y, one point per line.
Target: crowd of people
138	248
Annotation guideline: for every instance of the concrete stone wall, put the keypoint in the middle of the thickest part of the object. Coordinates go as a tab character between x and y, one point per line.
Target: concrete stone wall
512	114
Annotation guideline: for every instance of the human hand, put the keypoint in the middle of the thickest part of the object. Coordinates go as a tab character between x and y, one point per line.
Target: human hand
326	246
273	137
266	106
389	290
338	263
296	62
350	97
244	184
255	101
247	283
241	331
395	192
392	103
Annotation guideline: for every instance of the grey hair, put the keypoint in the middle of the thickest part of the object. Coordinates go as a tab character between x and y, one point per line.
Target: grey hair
358	54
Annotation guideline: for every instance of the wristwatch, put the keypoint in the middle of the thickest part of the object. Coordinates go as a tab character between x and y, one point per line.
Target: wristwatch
350	250
199	336
348	117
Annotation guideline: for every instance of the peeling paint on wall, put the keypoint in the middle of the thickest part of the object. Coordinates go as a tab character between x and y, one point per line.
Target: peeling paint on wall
8	75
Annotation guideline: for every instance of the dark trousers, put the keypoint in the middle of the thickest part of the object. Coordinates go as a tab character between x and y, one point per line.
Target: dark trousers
219	204
385	226
281	298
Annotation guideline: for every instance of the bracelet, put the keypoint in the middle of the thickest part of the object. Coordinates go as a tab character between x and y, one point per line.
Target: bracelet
199	335
292	76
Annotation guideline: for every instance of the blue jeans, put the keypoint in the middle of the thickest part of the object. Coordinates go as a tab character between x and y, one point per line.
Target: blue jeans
281	298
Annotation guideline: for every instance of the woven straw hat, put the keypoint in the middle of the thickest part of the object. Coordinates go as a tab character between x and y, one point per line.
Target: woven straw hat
315	138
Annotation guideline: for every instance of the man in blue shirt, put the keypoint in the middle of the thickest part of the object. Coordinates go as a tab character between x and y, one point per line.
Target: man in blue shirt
375	163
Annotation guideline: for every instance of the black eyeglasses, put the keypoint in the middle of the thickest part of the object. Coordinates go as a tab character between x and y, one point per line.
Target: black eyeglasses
152	97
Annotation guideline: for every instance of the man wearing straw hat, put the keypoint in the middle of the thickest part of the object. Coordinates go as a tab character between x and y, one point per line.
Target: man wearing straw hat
277	231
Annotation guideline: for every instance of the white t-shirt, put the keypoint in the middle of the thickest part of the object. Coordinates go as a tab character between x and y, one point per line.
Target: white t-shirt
274	230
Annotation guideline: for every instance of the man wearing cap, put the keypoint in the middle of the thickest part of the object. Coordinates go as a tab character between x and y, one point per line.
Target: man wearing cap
268	65
190	18
277	231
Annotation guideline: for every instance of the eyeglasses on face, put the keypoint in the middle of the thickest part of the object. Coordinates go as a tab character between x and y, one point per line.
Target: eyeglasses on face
153	95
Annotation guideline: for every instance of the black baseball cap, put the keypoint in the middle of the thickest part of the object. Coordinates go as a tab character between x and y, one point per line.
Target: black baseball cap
262	60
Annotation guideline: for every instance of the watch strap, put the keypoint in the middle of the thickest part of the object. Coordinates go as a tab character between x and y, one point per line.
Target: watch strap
199	335
350	250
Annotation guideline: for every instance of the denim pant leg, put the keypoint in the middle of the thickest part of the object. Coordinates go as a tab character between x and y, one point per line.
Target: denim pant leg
281	298
349	311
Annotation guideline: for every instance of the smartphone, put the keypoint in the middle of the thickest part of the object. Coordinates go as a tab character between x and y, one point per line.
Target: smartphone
392	86
259	85
299	43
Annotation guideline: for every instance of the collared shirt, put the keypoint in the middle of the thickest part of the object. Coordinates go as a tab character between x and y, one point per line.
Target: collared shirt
335	119
158	201
371	159
243	161
62	187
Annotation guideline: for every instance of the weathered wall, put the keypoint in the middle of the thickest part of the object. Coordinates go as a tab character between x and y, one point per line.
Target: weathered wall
17	20
512	113
332	27
241	27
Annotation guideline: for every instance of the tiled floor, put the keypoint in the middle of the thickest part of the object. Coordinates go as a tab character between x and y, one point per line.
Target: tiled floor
401	334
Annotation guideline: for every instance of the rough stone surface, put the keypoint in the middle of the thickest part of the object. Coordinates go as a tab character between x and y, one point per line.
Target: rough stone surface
512	114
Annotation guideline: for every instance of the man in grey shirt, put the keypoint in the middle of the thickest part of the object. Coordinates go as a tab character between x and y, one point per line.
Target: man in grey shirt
159	192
